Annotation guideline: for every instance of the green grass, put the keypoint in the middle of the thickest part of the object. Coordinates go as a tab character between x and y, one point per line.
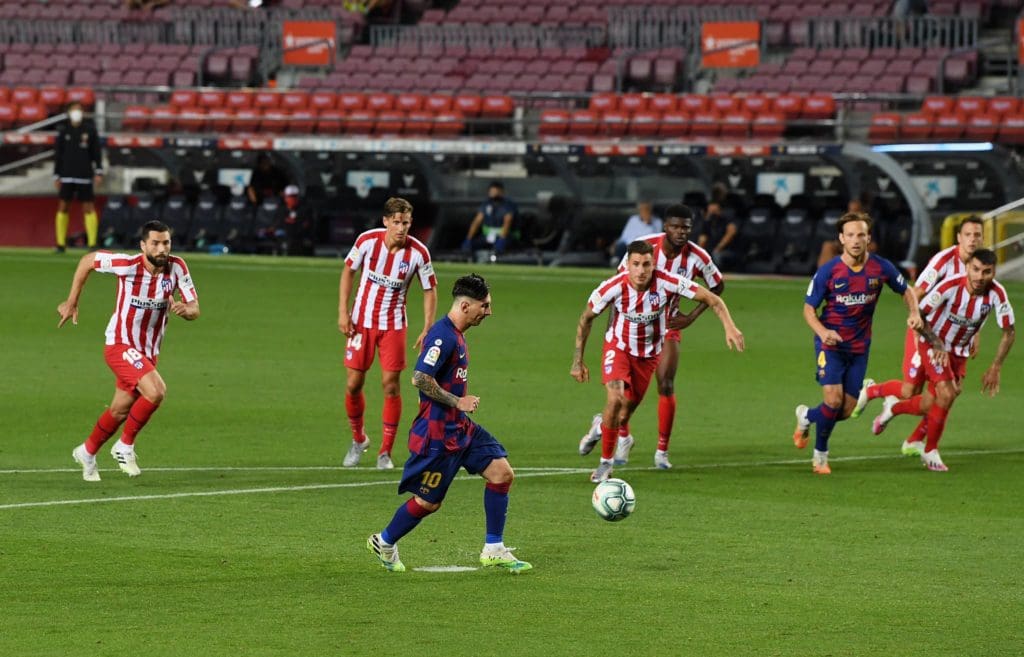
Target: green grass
739	550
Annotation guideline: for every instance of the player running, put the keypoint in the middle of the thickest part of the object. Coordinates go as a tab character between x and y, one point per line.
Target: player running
849	286
444	440
676	254
949	262
955	310
389	258
146	284
642	297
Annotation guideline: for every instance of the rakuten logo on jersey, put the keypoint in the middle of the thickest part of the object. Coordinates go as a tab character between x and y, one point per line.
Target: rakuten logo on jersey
462	374
386	281
856	299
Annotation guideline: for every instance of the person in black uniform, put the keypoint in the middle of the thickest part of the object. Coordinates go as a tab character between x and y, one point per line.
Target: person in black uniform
77	165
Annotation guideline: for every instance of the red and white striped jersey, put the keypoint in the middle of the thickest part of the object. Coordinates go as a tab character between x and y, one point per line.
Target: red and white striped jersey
956	316
691	262
380	299
143	299
944	264
638	327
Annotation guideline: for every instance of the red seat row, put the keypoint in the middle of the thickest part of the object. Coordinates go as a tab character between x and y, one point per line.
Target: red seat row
792	106
469	105
970	105
53	98
138	118
986	126
670	124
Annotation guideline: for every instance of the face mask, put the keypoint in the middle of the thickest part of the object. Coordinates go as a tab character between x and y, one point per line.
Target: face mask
75	115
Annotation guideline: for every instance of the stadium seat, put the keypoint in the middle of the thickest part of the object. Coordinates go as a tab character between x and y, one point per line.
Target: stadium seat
116	227
380	102
583	123
211	98
8	114
1011	129
1003	105
205	225
294	100
31	113
692	103
323	100
819	107
183	98
704	124
614	123
790	105
191	119
450	123
769	126
948	126
419	123
237	100
330	122
662	103
350	101
176	215
968	105
758	237
53	98
236	222
468	105
266	100
884	127
603	102
735	124
302	121
793	245
632	103
136	118
389	122
437	103
673	125
360	122
496	107
553	122
409	102
220	119
247	119
982	127
916	127
937	105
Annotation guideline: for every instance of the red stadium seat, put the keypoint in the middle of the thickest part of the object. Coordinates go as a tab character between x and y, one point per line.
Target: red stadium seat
303	121
1003	105
220	119
916	127
191	119
5	94
937	105
735	124
662	103
704	124
389	122
83	95
330	122
644	123
163	119
553	122
632	103
583	123
769	126
819	107
274	121
449	123
323	100
24	95
409	102
266	100
31	113
968	105
52	98
884	127
604	102
756	104
247	119
982	127
468	105
496	107
1011	130
614	123
722	105
948	126
360	122
8	113
294	100
437	103
380	102
351	101
184	98
790	105
673	124
693	103
237	100
211	98
136	118
419	122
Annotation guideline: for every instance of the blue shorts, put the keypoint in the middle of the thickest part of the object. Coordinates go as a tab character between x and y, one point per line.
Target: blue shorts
841	367
429	475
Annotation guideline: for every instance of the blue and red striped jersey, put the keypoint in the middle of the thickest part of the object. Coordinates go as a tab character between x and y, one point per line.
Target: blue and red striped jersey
850	298
445	358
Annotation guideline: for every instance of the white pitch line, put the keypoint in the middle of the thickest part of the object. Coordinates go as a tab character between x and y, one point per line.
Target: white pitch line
524	472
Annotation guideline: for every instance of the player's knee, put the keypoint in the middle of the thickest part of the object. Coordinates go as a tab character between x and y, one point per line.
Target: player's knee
907	391
119	414
429	507
392	389
666	388
946	396
155	393
503	478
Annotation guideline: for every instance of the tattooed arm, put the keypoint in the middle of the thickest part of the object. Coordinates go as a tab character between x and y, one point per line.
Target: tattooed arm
579	370
429	386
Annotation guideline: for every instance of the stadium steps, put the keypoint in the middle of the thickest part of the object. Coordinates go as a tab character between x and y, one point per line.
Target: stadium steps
37	179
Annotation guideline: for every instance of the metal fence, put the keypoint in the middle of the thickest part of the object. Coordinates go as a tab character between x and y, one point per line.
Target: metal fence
487	36
648	28
952	32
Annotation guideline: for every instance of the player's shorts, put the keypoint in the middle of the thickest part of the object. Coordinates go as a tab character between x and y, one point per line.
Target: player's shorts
841	368
912	371
954	371
71	191
429	475
636	372
128	365
362	347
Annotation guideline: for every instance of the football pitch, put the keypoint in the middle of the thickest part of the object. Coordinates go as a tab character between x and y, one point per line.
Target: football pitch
245	537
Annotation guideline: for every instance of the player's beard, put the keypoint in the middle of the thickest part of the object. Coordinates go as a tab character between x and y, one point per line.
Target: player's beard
158	261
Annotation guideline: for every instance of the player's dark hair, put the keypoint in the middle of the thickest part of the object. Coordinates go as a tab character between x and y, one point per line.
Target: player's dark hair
473	286
154	225
74	103
396	205
678	210
641	247
850	217
984	256
973	219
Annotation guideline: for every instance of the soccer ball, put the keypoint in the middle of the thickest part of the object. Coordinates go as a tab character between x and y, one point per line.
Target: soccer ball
613	499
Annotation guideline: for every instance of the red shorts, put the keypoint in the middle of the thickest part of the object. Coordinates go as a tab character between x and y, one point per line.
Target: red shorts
128	365
635	372
954	371
912	370
361	348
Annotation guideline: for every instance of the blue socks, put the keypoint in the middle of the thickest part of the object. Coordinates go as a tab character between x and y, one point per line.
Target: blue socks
824	419
495	510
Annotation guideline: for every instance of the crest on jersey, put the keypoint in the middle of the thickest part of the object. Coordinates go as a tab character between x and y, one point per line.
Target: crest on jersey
874	283
654	298
167	285
403	268
985	308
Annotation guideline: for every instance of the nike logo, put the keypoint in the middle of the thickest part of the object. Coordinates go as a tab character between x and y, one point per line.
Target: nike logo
462	354
840	286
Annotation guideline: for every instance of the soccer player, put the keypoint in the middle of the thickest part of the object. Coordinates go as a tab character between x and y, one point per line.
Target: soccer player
389	258
849	286
642	296
77	164
146	285
949	262
955	310
443	439
674	253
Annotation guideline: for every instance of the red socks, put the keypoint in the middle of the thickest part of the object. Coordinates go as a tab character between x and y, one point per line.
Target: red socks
886	389
105	427
138	416
392	414
355	405
666	415
936	425
910	406
609	437
624	429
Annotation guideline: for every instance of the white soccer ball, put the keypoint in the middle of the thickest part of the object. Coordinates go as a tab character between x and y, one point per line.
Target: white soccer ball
613	499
